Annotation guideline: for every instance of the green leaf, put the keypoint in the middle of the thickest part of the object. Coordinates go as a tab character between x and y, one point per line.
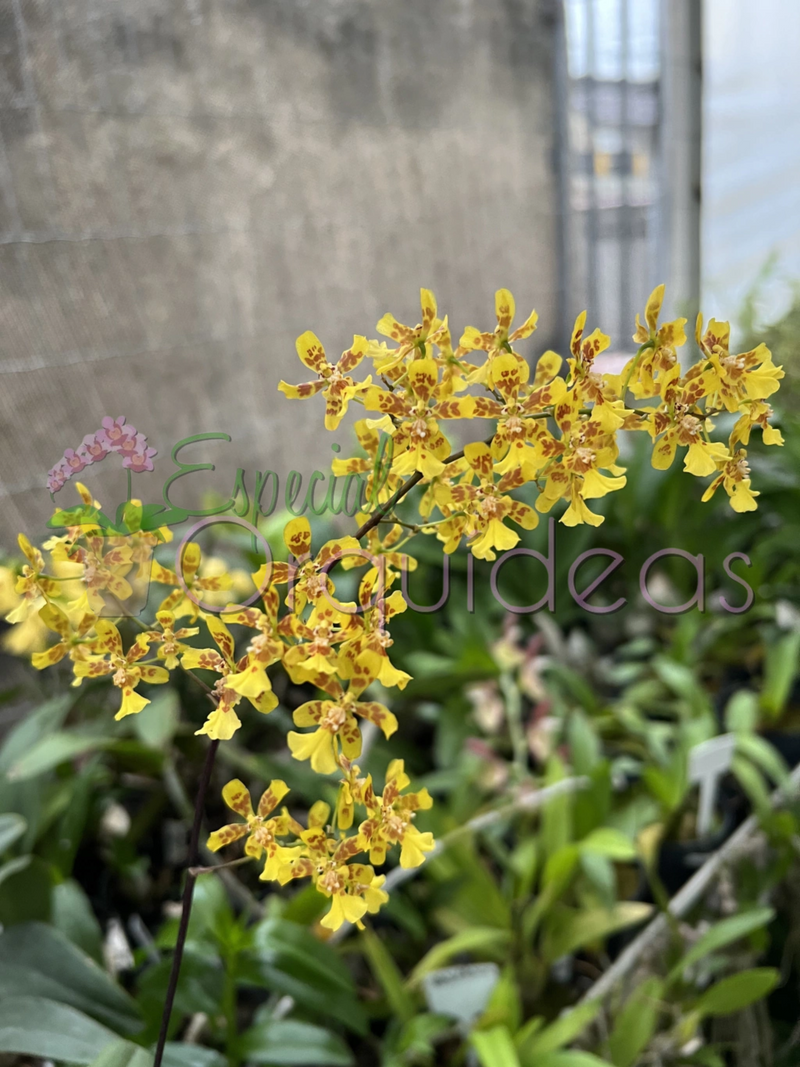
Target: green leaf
12	827
600	872
483	940
572	684
741	711
287	958
569	1058
282	941
9	869
477	899
505	1006
568	929
73	916
608	842
523	862
123	1054
200	988
738	991
635	1025
556	816
156	724
721	934
419	1034
39	723
53	750
559	1033
677	677
211	911
592	805
584	744
495	1047
765	756
752	781
388	974
35	1026
25	799
667	786
780	669
557	875
25	891
528	1030
707	1057
37	960
179	1054
288	1043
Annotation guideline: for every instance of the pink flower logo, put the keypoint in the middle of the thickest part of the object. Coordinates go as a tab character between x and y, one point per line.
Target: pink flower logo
138	457
115	435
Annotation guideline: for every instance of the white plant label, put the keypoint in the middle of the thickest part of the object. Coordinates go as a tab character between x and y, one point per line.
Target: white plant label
708	761
462	992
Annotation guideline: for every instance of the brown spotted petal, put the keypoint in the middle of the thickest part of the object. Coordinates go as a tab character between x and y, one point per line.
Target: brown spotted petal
222	636
378	714
351	358
237	797
226	835
272	797
311	353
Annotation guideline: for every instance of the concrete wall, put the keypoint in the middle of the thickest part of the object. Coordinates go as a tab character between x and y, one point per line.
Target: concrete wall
186	185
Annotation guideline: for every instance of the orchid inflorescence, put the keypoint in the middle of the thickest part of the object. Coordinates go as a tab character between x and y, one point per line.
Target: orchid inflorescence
113	436
554	429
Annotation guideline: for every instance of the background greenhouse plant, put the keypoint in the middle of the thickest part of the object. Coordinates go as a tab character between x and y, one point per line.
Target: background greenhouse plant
497	707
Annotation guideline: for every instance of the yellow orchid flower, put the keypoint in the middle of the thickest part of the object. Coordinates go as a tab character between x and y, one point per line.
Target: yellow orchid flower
32	586
755	413
125	668
369	438
660	355
410	339
223	722
307	575
680	422
390	819
261	831
74	642
734	476
576	472
169	639
334	381
497	342
335	723
419	445
366	655
179	602
522	440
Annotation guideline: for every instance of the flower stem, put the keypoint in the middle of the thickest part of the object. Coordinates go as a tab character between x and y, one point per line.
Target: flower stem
406	487
186	904
634	365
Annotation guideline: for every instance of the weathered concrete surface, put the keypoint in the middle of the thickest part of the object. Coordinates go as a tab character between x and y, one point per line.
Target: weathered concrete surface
185	185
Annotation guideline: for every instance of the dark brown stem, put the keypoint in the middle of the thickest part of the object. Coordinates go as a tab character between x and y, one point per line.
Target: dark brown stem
186	904
384	509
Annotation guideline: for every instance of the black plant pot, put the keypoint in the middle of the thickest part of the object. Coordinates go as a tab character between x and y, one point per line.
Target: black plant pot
678	860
